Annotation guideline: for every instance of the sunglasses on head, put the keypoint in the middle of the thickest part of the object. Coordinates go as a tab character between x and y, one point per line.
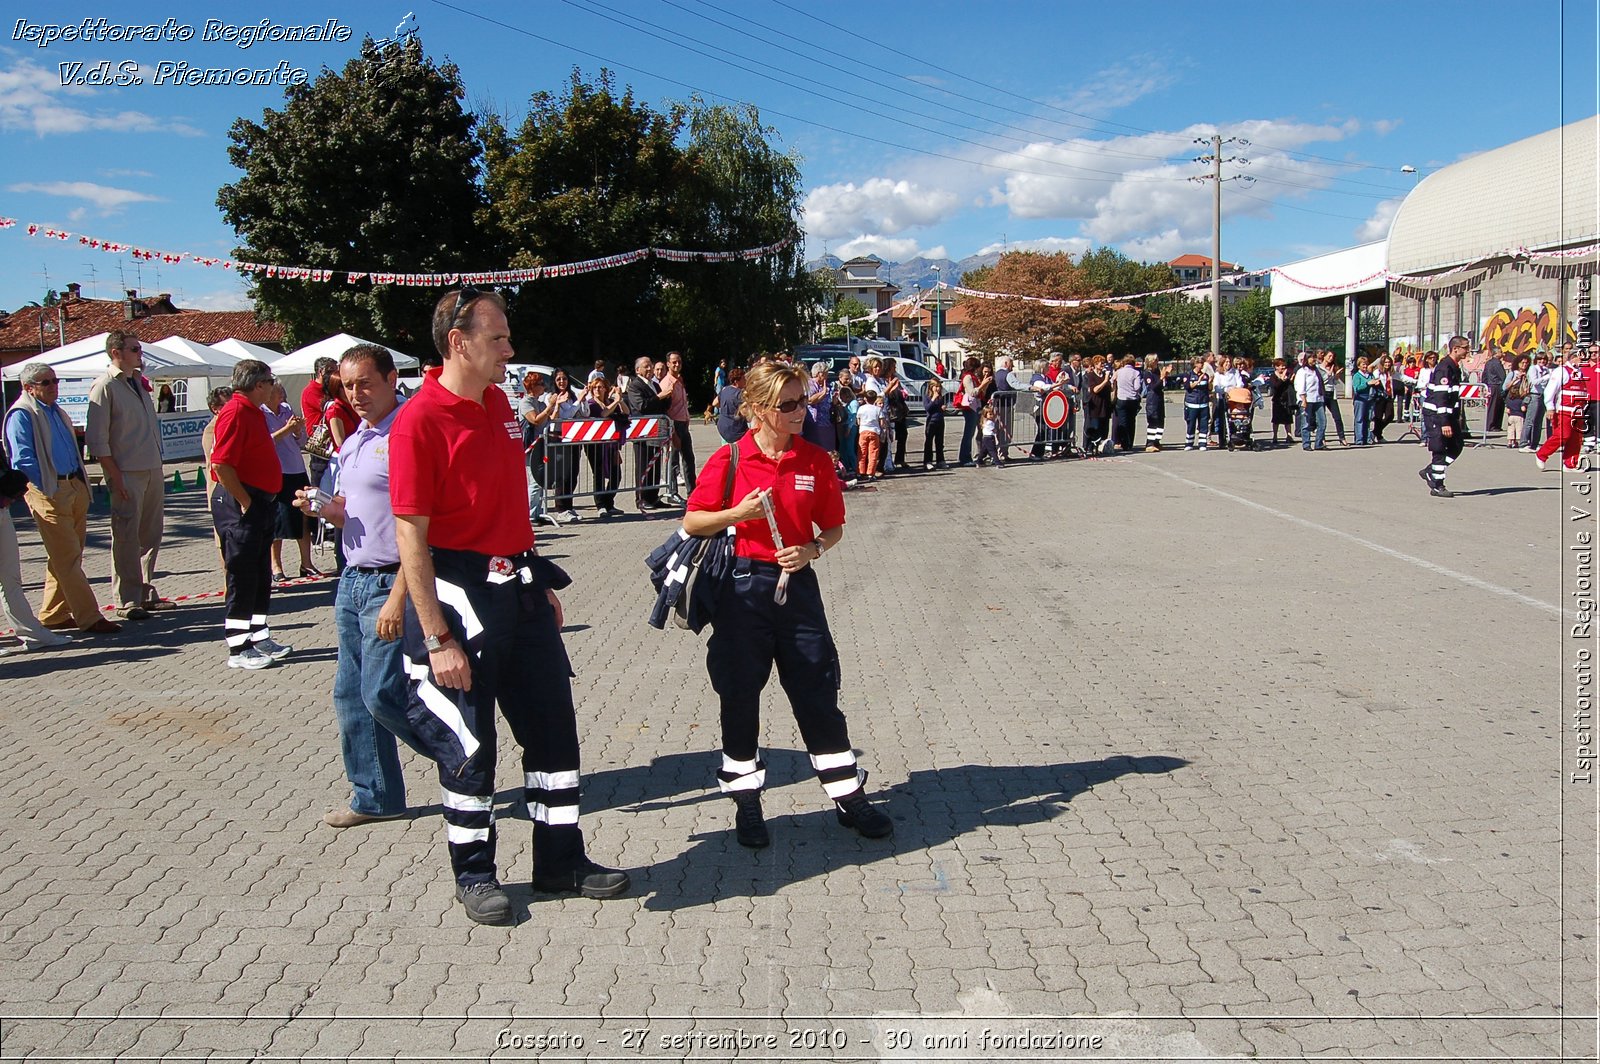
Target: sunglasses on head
464	300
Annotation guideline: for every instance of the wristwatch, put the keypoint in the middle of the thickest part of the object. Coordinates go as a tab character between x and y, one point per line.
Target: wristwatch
821	548
438	642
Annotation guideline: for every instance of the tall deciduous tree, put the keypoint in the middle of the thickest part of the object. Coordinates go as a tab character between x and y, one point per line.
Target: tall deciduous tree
370	169
588	173
594	171
851	308
739	191
1025	328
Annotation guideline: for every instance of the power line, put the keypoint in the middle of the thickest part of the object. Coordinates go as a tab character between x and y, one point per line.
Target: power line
956	73
594	8
909	80
668	79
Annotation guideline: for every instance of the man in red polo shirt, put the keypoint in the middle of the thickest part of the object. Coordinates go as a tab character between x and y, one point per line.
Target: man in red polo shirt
486	625
243	507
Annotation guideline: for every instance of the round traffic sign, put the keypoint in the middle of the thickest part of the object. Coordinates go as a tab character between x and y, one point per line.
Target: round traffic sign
1054	410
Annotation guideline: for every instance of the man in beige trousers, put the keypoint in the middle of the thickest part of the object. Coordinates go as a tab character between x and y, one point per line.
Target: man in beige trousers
40	442
123	435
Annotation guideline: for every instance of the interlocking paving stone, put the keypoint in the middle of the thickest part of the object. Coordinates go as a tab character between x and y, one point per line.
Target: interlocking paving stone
1152	754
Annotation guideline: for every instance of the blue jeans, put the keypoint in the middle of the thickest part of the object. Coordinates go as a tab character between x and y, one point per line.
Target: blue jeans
969	426
369	695
1314	414
1363	420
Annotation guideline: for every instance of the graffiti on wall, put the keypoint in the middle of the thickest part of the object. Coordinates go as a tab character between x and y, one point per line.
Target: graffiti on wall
1524	330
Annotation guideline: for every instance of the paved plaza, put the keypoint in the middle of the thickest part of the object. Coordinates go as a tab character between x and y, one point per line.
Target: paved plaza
1262	756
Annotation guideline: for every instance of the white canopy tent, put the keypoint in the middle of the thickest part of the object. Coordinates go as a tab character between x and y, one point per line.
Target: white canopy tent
300	363
209	360
242	349
87	358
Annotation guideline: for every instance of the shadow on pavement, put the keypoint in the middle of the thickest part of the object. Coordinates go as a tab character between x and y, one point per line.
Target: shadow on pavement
932	807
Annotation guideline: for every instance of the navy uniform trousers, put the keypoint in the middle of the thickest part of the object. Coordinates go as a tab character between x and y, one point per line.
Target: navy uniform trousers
246	538
750	634
498	611
1443	450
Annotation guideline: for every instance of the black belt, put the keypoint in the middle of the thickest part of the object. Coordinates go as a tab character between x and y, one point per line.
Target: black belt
76	474
390	569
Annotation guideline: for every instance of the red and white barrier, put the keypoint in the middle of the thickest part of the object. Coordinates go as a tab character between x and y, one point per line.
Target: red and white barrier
602	430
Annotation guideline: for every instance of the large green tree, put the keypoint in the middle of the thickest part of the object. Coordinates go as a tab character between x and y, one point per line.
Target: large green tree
594	171
739	191
589	172
371	169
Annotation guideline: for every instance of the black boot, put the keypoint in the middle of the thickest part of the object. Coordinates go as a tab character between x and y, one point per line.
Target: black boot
854	811
749	827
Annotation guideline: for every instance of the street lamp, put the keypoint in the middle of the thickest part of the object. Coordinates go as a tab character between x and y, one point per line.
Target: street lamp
938	296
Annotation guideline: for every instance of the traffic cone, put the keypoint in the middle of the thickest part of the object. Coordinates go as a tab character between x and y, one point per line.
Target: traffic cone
177	480
199	480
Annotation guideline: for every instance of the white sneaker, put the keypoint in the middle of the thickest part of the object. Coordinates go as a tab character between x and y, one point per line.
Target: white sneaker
569	516
1529	450
1542	463
273	649
249	658
48	639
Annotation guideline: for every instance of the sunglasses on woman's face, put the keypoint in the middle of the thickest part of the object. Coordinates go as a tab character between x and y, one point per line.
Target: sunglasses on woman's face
788	406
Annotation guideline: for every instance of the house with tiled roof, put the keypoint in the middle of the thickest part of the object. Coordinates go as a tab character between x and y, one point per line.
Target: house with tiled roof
26	332
1196	269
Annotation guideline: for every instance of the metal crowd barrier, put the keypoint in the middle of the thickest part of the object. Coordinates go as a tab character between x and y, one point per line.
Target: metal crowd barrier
622	457
1020	416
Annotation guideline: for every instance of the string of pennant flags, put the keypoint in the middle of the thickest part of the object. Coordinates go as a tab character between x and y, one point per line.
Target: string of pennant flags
1566	262
484	277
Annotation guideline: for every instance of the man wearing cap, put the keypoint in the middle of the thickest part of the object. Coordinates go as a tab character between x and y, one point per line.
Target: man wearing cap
487	624
41	443
124	436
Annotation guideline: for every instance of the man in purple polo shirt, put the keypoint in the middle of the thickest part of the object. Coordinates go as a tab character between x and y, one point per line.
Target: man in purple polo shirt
369	683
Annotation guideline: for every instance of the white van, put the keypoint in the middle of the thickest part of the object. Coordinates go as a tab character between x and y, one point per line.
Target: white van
916	376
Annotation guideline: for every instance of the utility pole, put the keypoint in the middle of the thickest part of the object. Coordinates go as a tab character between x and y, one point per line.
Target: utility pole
1216	160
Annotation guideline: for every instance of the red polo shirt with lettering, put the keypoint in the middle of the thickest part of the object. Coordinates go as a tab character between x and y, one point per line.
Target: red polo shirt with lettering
459	464
806	496
244	443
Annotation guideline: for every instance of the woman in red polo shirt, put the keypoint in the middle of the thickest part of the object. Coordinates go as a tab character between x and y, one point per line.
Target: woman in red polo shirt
771	612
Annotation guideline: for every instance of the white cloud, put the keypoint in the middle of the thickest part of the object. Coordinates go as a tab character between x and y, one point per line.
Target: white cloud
224	299
1377	226
105	197
1161	247
1134	192
1121	84
126	173
891	249
32	99
879	204
1072	245
1384	126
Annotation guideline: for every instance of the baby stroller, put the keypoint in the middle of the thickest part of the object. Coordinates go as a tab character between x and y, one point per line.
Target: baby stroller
1241	411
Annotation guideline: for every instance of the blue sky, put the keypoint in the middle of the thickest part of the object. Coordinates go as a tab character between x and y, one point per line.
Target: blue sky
938	128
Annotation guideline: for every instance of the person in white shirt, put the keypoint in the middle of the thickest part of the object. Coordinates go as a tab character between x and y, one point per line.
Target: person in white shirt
869	441
1533	422
1310	385
1129	387
1225	378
